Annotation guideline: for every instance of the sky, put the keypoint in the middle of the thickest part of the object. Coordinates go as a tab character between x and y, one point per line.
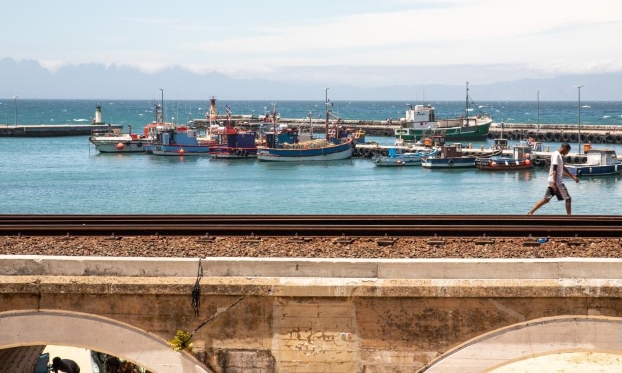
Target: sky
358	42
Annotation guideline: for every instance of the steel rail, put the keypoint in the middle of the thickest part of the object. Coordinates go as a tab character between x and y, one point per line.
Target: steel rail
314	225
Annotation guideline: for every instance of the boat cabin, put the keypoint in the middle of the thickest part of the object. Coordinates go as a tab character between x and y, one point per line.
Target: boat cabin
286	136
601	157
420	113
451	151
522	152
245	139
501	144
177	136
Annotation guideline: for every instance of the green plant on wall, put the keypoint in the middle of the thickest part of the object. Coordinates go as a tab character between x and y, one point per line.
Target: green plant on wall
181	341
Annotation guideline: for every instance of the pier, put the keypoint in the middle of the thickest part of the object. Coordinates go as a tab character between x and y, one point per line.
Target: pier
52	130
569	132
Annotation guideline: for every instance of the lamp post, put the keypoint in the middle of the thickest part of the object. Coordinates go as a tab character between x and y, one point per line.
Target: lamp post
16	97
327	115
579	137
538	127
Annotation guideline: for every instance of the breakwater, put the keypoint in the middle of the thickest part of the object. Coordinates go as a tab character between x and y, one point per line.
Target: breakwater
53	130
586	134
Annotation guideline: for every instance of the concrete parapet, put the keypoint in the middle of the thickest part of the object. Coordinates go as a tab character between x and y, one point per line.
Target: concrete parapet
473	269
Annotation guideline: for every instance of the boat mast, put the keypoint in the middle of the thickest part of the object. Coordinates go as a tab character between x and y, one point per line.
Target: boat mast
162	106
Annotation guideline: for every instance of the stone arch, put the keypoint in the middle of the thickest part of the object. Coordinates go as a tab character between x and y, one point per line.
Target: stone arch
27	328
530	339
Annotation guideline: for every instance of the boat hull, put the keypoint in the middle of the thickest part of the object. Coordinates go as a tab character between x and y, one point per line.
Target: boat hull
415	131
595	170
159	149
397	162
500	164
128	146
330	153
232	153
448	163
402	160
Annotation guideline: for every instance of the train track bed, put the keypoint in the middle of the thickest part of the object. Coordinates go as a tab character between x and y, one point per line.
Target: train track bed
390	237
274	247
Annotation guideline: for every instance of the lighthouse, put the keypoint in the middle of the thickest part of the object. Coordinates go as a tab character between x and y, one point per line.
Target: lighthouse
98	115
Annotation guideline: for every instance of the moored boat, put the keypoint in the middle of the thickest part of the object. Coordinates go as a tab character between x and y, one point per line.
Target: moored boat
397	158
283	143
600	162
115	141
449	157
421	121
233	142
520	160
179	140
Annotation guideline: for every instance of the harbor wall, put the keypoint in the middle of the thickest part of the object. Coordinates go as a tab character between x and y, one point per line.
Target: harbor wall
313	315
52	130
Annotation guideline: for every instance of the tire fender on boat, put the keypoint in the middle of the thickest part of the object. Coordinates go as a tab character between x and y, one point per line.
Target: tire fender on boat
450	162
140	144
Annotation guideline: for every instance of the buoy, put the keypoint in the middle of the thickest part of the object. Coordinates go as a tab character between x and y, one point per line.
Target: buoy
181	151
120	146
527	161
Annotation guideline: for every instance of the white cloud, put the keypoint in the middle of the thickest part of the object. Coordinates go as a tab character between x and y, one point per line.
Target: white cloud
528	37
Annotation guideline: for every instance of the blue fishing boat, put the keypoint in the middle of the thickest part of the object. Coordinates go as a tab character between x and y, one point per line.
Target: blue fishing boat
179	140
398	158
283	143
600	162
449	157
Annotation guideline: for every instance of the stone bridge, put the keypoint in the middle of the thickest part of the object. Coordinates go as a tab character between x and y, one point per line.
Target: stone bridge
314	315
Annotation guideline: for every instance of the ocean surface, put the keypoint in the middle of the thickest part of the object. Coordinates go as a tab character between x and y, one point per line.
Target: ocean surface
66	175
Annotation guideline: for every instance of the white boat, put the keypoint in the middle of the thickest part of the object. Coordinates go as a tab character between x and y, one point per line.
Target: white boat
397	158
117	142
600	162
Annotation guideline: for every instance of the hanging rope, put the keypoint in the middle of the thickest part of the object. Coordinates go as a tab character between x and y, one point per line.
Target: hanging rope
196	291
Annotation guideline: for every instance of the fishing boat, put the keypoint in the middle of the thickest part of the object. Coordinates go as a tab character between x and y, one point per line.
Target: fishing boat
283	143
600	162
421	121
179	140
233	142
115	141
520	160
450	156
397	158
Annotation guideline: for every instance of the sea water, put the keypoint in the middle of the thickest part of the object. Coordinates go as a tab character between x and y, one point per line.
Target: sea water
66	175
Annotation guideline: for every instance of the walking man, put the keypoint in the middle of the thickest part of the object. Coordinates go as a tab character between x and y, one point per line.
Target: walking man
555	181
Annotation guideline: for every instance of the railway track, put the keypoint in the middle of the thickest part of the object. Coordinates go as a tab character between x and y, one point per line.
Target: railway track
313	225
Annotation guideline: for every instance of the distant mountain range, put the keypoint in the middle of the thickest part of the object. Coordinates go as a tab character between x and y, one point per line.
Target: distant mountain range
29	80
